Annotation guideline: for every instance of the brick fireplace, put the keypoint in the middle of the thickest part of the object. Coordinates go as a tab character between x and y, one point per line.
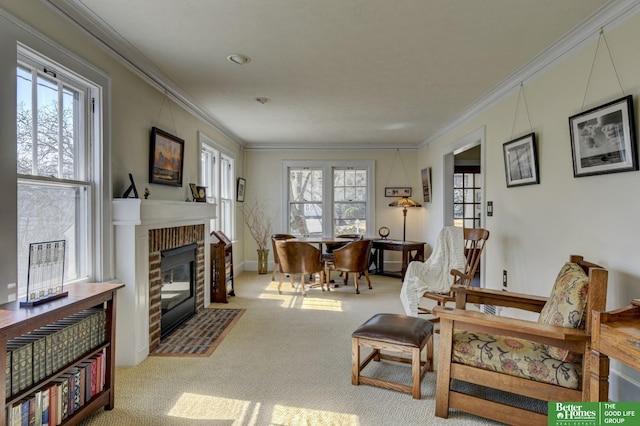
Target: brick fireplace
143	230
167	239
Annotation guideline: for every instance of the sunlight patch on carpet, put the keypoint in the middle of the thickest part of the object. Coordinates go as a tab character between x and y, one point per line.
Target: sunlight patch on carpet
206	407
200	335
286	415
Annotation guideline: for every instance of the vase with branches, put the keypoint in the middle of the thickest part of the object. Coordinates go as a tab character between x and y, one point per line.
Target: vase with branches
260	225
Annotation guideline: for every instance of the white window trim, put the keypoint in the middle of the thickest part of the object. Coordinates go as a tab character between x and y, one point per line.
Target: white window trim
206	142
101	240
327	167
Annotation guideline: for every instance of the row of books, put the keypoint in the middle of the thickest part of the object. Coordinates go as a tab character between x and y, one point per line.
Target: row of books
60	398
47	350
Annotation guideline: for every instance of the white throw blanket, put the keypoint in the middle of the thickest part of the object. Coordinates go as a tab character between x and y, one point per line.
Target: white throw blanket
434	274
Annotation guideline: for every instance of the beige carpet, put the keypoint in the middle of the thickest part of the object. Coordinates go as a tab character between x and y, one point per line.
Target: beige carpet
285	362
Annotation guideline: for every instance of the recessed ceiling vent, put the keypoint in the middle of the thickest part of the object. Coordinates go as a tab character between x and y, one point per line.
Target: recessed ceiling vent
238	59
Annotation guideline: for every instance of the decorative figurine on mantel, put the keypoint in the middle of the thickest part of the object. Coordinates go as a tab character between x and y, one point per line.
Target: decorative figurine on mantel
146	193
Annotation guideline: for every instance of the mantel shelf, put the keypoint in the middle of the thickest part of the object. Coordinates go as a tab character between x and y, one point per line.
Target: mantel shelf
135	211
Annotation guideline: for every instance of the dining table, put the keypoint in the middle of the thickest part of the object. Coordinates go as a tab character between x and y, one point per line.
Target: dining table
320	240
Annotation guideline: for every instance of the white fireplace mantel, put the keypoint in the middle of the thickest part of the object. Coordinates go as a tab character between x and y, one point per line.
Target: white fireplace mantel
133	218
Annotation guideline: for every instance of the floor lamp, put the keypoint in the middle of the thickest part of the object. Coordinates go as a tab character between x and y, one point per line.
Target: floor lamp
405	202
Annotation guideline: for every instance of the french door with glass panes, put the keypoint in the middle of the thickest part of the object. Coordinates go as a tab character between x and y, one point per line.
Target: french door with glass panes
467	197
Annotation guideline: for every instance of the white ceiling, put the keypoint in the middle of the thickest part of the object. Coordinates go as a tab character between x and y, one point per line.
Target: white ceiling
339	73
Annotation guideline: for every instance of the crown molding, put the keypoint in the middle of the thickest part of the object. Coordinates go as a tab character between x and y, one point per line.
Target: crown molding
326	146
84	18
609	16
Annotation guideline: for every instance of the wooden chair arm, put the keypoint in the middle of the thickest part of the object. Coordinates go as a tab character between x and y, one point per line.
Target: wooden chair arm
508	299
561	337
460	276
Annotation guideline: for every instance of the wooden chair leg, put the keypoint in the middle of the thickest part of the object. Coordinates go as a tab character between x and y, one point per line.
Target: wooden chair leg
355	362
443	379
366	275
416	375
355	281
273	274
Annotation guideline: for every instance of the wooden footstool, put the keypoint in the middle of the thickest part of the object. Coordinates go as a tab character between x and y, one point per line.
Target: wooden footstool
395	333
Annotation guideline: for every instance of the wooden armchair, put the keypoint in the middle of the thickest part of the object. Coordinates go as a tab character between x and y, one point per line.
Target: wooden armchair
544	360
474	242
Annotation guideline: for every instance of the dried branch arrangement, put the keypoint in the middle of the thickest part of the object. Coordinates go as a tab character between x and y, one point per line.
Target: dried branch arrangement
259	223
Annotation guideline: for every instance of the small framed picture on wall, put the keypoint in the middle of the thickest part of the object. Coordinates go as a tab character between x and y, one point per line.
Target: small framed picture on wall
240	190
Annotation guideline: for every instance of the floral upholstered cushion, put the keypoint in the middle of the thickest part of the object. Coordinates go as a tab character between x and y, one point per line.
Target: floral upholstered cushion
566	306
517	357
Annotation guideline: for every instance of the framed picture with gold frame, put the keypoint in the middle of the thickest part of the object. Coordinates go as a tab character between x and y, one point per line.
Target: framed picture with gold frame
166	158
199	193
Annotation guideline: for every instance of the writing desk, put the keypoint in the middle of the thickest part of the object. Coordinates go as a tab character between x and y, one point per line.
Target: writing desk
411	250
614	334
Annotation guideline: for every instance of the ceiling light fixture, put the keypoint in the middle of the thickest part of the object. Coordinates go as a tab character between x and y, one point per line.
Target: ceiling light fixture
238	59
262	100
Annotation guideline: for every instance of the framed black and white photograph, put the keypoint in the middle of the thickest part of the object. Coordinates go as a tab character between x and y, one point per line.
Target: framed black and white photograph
426	184
397	192
166	158
603	139
521	161
240	190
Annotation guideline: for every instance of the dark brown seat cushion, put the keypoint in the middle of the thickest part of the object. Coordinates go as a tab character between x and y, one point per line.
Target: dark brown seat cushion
397	329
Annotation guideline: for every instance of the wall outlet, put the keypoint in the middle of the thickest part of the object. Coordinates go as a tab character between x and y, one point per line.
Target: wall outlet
504	278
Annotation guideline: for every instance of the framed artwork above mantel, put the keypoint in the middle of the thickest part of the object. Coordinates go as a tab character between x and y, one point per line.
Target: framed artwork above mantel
166	158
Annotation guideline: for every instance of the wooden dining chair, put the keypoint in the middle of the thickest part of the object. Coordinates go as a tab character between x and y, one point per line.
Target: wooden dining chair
330	247
352	257
276	260
299	258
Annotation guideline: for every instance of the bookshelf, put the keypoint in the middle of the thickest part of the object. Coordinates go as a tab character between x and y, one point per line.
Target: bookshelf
221	267
17	323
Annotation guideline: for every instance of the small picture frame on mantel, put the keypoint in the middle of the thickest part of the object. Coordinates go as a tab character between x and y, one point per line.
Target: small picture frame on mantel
199	193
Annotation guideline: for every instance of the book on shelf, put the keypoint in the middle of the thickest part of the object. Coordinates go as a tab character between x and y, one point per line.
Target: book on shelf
21	354
24	412
16	414
44	418
53	405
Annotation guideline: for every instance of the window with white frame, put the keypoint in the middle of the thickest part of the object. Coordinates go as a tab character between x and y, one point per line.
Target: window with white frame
55	113
218	175
329	197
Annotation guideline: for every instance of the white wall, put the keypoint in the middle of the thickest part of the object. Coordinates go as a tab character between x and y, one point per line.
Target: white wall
535	228
132	107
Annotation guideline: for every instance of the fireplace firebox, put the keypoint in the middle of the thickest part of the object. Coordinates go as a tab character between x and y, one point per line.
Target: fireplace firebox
178	294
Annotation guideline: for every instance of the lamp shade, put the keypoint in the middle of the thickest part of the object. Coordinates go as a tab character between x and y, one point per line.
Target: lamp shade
405	202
